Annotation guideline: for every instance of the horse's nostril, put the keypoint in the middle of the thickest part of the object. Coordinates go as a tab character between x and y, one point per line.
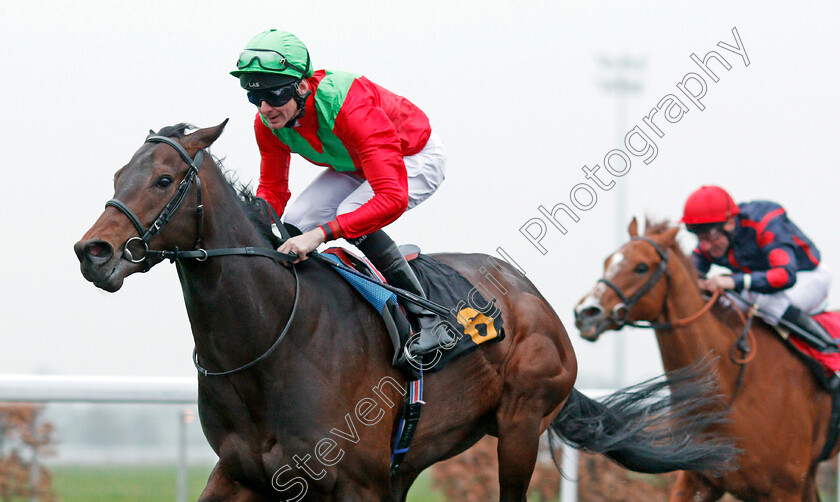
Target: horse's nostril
590	312
95	251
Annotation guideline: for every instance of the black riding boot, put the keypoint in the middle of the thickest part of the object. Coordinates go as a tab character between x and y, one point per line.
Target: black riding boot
383	252
825	342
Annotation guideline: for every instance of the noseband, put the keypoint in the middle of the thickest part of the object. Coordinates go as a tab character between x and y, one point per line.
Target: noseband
626	303
166	214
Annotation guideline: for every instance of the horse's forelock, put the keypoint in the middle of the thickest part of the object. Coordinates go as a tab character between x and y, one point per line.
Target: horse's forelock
253	207
174	131
655	228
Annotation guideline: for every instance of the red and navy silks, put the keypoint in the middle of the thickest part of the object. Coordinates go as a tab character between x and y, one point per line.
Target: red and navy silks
766	245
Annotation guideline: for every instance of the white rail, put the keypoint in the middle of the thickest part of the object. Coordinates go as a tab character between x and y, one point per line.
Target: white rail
98	389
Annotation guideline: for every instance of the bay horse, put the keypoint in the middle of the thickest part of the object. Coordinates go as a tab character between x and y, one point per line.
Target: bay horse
314	417
778	414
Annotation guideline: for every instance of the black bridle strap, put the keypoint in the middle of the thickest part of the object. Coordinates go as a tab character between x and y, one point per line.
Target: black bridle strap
129	213
194	163
199	213
183	187
203	254
171	207
629	303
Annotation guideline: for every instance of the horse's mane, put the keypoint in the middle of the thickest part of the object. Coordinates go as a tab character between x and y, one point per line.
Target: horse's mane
253	206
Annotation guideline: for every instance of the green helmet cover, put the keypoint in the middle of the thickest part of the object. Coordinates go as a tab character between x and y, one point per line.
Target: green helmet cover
293	60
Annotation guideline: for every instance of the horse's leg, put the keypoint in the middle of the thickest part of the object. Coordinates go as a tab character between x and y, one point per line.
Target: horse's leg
811	492
518	445
401	484
221	488
538	378
690	487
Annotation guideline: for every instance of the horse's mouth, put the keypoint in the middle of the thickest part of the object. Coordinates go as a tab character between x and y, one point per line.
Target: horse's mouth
591	330
111	284
110	281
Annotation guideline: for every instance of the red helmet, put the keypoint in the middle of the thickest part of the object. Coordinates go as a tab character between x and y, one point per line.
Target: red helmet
709	204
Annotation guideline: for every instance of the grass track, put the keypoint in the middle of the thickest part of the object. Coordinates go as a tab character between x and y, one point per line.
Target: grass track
156	484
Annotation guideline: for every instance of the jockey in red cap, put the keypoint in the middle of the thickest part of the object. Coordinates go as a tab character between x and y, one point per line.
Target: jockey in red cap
772	261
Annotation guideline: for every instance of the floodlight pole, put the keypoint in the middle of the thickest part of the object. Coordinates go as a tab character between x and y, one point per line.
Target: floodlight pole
620	83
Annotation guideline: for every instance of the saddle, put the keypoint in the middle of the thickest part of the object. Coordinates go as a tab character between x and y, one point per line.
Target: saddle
472	318
826	368
824	365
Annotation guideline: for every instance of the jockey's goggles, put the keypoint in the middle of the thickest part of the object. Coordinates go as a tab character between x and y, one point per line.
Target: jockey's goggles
708	232
267	60
273	97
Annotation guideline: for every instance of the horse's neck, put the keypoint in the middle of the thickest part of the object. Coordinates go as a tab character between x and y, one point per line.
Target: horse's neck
702	337
236	304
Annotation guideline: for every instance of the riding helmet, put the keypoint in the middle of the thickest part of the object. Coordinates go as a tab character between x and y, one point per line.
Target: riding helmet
271	59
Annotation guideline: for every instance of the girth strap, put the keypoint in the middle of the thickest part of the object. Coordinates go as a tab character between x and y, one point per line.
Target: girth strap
408	423
833	426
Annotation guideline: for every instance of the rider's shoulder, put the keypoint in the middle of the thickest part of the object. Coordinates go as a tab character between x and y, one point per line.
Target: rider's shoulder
335	82
757	209
332	90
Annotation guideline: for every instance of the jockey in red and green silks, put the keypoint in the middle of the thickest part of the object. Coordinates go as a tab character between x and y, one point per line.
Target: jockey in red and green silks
381	155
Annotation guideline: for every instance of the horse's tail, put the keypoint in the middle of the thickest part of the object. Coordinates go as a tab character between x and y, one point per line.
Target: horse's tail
646	429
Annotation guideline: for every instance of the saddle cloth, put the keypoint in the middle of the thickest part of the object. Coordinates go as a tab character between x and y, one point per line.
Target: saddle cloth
830	362
472	319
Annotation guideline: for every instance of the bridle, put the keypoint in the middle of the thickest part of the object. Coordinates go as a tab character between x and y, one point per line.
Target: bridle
627	304
166	214
742	343
198	253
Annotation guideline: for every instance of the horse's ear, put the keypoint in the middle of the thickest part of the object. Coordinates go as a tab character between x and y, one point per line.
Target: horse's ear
669	236
202	138
633	228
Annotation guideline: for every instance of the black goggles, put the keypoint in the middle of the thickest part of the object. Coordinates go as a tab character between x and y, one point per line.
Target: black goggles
705	229
267	60
274	97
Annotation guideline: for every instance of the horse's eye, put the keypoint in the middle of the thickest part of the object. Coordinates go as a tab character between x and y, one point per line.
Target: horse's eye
641	268
164	181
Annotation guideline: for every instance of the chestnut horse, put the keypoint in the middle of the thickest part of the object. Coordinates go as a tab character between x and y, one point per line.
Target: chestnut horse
298	364
778	414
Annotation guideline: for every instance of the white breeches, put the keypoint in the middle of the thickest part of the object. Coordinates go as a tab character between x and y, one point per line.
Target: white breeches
333	193
809	294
